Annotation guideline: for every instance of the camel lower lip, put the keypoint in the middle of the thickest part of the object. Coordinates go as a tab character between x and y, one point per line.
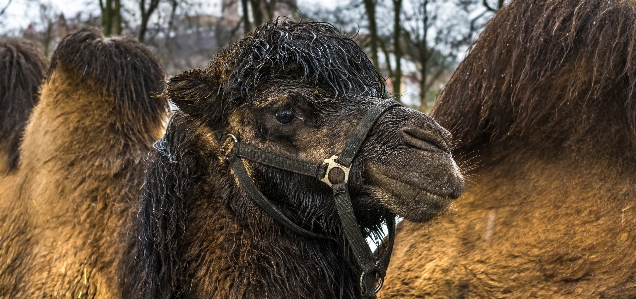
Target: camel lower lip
409	200
429	195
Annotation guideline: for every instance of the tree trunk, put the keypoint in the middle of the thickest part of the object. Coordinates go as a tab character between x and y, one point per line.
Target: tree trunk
397	50
173	13
271	7
5	8
107	21
500	3
257	13
423	92
246	16
111	17
145	16
424	56
369	6
117	17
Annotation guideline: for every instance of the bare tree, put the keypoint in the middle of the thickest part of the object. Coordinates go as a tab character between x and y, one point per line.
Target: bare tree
433	43
425	37
247	25
111	16
146	9
5	7
390	43
48	19
174	4
264	10
374	40
397	48
500	3
42	30
182	39
481	11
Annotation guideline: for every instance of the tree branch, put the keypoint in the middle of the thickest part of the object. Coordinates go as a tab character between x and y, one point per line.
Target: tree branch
5	8
485	2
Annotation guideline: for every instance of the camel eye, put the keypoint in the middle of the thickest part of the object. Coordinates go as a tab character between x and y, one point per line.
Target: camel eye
285	116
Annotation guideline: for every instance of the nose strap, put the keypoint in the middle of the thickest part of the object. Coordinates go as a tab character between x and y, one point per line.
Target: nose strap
250	152
359	135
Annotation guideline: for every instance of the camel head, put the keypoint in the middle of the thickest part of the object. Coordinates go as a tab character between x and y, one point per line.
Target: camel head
299	90
285	143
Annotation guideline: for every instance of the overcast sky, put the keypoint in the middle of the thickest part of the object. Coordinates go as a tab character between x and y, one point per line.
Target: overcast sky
21	12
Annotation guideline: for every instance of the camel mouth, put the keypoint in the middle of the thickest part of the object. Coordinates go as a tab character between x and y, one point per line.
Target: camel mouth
409	198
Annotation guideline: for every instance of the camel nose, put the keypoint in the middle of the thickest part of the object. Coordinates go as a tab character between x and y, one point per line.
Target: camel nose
427	140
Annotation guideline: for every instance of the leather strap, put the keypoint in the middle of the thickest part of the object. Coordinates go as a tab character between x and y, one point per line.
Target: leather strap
285	162
361	131
248	185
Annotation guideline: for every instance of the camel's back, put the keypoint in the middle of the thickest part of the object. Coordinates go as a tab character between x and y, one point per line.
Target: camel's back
527	227
543	110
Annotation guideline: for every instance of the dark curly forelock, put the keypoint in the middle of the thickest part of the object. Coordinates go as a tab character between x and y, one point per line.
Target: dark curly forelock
312	53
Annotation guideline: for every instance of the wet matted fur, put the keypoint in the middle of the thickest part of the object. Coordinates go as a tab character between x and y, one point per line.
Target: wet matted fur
544	106
22	66
296	89
81	169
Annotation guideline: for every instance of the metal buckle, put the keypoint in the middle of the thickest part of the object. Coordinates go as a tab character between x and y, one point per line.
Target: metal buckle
331	164
224	150
380	282
379	287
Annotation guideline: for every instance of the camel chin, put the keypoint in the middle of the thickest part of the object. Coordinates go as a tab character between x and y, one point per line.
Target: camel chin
411	197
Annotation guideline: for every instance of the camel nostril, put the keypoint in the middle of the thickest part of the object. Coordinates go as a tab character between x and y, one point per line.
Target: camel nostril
425	140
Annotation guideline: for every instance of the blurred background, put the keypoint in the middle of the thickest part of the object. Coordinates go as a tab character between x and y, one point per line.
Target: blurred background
416	44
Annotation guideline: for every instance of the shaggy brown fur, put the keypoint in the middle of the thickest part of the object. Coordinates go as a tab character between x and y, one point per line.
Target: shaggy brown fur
297	89
95	121
545	106
22	66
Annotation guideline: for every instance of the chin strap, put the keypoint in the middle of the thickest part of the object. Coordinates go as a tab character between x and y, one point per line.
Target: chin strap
335	173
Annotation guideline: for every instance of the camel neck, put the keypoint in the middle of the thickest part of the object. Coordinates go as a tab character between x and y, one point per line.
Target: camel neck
263	260
4	159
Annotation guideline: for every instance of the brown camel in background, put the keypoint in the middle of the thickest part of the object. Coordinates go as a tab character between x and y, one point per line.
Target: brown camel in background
544	108
67	211
22	66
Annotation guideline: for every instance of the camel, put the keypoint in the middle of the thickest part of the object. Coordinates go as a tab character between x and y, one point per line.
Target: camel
23	67
543	109
284	155
62	231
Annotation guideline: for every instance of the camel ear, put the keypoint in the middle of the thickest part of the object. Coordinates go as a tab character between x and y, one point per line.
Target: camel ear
195	92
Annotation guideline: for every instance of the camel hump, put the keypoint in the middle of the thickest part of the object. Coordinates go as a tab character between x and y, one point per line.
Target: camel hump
554	80
123	67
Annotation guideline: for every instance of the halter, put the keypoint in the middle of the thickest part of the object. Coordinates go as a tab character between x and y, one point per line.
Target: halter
334	172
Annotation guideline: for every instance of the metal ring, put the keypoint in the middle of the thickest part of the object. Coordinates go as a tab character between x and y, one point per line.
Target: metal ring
377	289
226	151
231	136
380	282
331	163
